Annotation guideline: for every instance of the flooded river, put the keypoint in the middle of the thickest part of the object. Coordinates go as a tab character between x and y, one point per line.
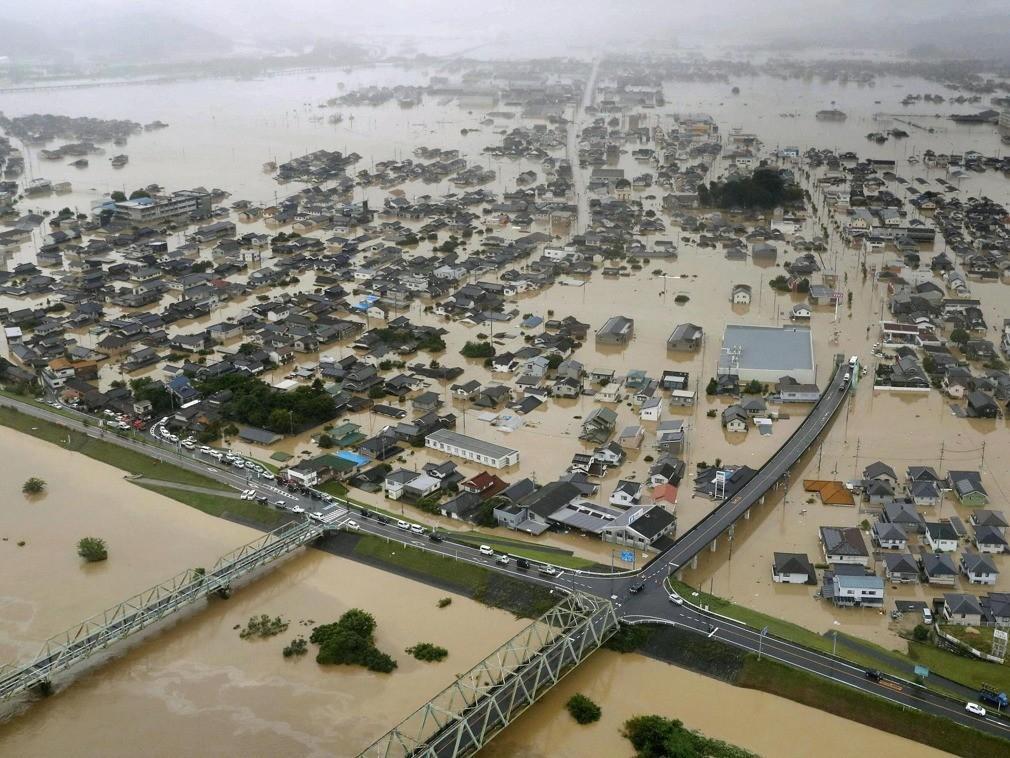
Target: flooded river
632	685
196	688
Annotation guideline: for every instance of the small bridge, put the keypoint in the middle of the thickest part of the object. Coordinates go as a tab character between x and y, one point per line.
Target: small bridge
75	645
463	717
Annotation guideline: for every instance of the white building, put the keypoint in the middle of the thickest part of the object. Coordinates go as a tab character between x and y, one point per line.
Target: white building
471	449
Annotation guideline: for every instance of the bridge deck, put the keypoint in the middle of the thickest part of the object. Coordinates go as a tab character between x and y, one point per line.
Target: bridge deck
695	539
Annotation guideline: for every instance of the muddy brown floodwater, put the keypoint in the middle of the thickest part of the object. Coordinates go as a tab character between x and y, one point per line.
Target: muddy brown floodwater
633	685
196	688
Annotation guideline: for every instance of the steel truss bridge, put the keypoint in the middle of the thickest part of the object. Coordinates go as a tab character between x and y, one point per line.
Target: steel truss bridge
464	716
75	645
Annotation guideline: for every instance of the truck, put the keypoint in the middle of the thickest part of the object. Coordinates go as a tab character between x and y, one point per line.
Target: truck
989	694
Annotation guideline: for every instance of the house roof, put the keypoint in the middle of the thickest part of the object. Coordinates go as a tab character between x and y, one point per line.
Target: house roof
976	563
878	469
902	563
831	492
961	603
888	532
550	498
792	563
938	564
843	540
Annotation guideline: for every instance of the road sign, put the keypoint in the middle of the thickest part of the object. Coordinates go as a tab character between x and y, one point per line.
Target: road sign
921	671
627	556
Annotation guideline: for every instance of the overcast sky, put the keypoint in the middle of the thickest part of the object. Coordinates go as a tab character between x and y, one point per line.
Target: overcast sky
689	23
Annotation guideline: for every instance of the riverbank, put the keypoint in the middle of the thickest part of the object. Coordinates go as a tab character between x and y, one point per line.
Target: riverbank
488	587
731	665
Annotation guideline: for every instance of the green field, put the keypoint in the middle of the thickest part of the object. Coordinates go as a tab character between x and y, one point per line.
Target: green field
481	584
128	460
891	661
247	511
534	552
816	692
970	671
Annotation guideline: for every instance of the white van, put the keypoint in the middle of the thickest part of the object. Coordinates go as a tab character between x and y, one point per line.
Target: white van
417	529
854	360
927	616
403	525
486	550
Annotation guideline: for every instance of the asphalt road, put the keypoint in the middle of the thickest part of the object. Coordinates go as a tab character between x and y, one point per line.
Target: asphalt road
710	528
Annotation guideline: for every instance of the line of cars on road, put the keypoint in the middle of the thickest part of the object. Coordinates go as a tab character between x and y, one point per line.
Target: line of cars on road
503	559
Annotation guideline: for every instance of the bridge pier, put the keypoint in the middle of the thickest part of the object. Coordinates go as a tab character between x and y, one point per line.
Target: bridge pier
223	592
714	545
746	515
694	561
44	688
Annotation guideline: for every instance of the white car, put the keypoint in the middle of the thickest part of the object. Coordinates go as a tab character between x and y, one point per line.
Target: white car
217	455
486	550
238	463
403	525
187	444
353	525
298	509
676	599
204	449
975	709
266	475
173	438
281	503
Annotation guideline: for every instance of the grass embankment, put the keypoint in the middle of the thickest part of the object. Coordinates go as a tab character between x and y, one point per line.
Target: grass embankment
545	553
488	587
715	658
961	668
128	460
971	672
795	633
816	692
246	511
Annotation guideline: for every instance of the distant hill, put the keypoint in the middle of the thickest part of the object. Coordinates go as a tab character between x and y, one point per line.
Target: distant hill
123	37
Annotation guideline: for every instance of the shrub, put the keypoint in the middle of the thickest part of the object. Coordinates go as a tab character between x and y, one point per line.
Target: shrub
325	441
477	350
92	549
296	647
33	486
583	710
920	633
426	651
445	601
263	626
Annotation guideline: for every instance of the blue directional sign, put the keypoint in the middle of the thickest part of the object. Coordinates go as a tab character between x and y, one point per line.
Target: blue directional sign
627	556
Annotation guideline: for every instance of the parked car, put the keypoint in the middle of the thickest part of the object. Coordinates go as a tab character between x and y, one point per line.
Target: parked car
403	525
486	550
522	563
353	525
872	674
547	570
434	537
503	560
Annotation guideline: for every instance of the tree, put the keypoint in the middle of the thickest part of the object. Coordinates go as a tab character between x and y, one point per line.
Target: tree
477	350
350	641
712	387
325	441
137	194
959	336
154	392
582	709
33	486
426	651
656	737
118	197
92	549
920	632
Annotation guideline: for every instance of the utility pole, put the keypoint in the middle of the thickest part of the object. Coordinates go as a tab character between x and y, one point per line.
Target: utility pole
940	463
855	465
820	454
981	464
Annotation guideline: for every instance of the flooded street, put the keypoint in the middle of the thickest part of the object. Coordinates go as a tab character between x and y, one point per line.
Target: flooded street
632	685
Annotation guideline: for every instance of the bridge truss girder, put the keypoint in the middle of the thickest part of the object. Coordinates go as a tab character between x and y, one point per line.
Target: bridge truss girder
80	642
503	685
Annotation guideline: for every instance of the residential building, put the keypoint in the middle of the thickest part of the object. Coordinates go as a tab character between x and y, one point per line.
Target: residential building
792	568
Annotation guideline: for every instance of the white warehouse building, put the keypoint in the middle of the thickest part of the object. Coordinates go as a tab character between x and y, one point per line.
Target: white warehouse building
471	449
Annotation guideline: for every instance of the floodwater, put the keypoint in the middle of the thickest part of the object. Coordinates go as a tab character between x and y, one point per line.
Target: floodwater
747	718
219	135
196	687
